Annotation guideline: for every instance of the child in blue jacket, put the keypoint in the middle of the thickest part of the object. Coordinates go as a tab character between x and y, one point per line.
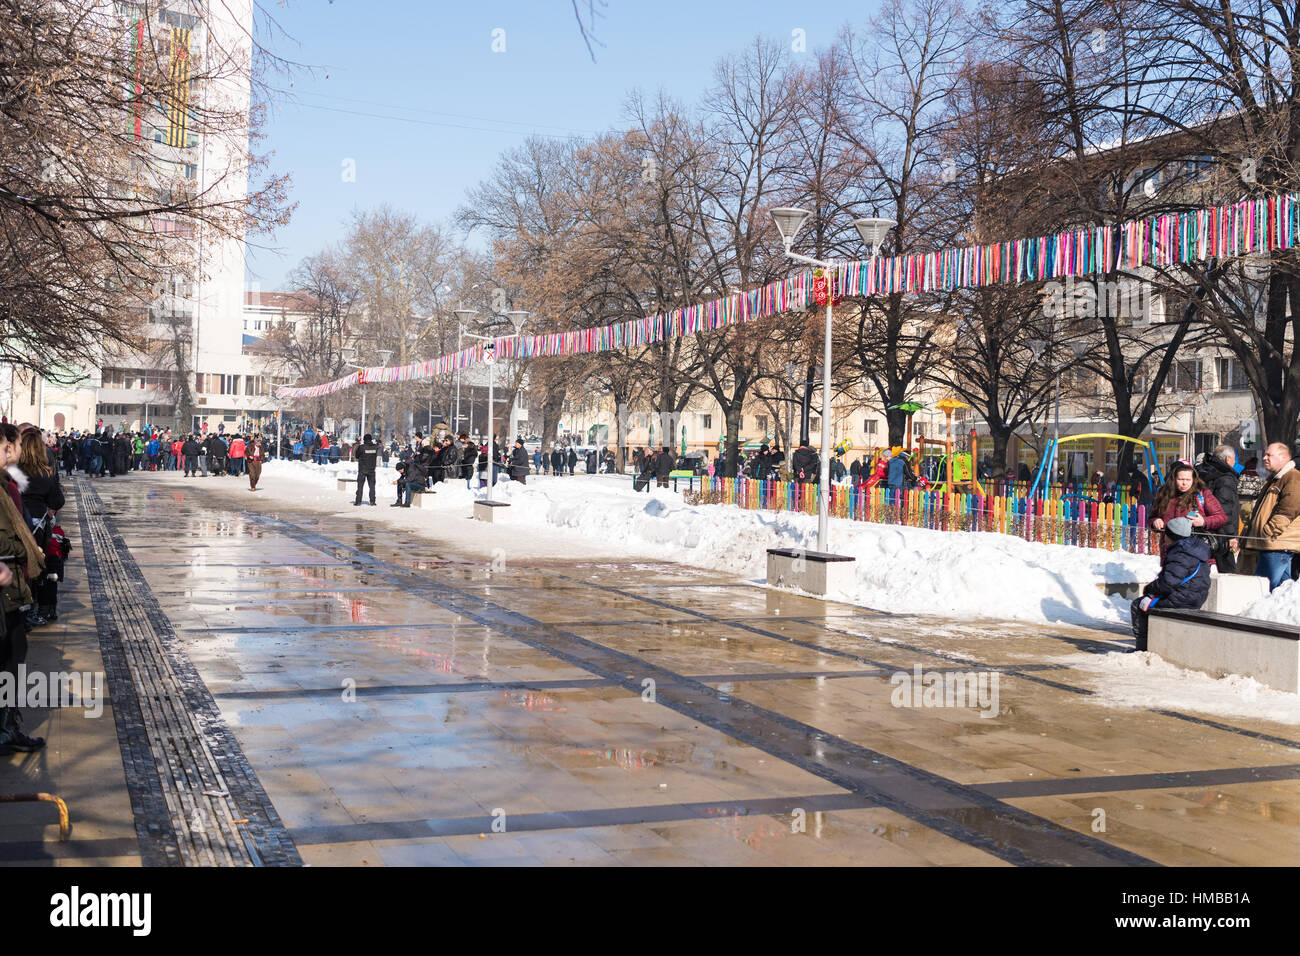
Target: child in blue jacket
1184	577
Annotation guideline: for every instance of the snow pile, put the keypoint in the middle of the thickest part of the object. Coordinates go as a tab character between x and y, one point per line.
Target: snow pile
1143	680
899	569
1282	606
952	574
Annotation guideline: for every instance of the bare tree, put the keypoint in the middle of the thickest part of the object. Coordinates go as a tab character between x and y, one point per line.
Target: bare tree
93	219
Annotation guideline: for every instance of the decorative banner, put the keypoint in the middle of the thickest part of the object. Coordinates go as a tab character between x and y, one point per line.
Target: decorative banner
178	106
1249	227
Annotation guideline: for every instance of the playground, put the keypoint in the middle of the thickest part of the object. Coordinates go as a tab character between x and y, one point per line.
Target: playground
938	488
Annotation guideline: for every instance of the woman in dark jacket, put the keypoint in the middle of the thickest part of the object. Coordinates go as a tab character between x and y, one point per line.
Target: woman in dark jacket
42	499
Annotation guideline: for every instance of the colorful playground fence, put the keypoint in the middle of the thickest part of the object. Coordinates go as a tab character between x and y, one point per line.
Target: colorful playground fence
1055	520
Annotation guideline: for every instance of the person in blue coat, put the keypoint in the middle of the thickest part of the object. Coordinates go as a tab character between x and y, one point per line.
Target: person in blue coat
1184	577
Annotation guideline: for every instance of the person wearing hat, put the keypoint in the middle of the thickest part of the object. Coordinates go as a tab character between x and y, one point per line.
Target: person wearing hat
367	456
255	455
519	462
1184	579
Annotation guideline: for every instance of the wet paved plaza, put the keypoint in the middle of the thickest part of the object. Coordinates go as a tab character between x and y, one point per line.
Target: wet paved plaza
400	700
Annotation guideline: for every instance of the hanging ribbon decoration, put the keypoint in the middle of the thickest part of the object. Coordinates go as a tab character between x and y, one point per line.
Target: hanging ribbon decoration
1251	226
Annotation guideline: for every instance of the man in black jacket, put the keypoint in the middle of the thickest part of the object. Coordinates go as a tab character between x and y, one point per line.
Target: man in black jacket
806	465
663	466
1218	472
366	454
190	451
519	462
1184	577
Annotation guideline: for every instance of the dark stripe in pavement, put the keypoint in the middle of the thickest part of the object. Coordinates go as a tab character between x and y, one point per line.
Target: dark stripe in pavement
959	812
478	687
571	819
1174	780
772	806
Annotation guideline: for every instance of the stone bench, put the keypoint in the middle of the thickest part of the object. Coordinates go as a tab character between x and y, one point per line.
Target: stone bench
493	512
1222	644
1233	593
810	571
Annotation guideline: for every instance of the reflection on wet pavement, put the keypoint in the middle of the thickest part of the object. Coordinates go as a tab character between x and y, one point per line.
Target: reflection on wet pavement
398	700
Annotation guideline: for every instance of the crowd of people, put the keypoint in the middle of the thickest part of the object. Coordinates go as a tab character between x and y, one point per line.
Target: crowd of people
108	454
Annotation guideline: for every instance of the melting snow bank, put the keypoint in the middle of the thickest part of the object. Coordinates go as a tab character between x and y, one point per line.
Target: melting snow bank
898	569
952	574
1282	606
1144	680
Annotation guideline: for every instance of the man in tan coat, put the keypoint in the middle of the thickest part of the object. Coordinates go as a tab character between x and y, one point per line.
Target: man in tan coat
1275	523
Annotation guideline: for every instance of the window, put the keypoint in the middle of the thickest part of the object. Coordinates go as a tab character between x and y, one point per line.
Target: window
814	424
869	426
1232	376
762	424
708	421
1185	376
33	401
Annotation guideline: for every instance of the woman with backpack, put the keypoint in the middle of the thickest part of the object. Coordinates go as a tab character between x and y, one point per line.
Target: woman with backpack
1185	495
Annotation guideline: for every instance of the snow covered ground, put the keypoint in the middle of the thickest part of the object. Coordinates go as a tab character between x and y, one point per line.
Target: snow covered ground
976	575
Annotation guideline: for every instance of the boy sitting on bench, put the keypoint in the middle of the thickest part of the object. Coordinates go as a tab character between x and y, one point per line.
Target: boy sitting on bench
1184	577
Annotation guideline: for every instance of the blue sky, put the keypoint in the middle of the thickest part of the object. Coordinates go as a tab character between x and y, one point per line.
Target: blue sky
419	102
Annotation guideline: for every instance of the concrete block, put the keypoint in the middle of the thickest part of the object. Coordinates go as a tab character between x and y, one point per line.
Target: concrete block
345	484
811	571
1233	593
427	500
1222	644
493	512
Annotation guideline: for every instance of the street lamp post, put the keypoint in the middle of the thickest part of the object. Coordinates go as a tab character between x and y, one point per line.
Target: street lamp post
462	317
350	353
517	318
873	231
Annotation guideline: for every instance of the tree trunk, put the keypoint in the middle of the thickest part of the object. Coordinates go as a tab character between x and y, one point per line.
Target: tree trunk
896	420
731	463
552	407
1000	436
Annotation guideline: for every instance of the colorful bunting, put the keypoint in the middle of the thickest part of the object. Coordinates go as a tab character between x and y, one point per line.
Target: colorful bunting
1249	226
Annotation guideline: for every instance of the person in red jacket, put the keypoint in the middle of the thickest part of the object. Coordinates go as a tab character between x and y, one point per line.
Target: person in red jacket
237	455
1185	495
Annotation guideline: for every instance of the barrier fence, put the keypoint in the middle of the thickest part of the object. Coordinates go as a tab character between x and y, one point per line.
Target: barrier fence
1057	519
